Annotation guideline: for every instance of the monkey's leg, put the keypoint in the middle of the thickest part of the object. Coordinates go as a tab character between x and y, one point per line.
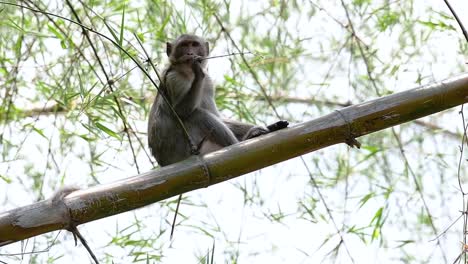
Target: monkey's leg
244	131
241	130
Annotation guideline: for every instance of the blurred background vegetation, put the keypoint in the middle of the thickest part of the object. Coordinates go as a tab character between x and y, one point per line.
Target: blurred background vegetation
74	106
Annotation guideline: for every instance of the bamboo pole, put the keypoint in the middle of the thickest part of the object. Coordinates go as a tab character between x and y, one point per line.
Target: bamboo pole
200	172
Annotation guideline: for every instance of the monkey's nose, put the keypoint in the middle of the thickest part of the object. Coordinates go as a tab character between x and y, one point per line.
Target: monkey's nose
190	53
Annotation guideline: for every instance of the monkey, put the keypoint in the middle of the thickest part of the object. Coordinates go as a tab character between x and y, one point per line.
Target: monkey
190	92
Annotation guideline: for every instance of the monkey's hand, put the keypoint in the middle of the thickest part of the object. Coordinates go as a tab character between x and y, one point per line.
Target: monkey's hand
186	59
197	67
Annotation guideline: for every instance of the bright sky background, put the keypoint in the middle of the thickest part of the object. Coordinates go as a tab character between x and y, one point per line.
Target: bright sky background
268	242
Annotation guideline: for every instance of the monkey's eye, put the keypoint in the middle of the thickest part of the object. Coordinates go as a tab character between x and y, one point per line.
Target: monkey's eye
195	44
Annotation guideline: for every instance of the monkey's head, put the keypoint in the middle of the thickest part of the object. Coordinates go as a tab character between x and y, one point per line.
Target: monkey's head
187	47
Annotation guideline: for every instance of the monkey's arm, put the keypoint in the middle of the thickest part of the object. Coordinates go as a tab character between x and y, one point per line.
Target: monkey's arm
193	97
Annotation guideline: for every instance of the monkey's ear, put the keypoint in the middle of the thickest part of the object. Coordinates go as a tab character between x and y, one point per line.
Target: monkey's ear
207	47
168	49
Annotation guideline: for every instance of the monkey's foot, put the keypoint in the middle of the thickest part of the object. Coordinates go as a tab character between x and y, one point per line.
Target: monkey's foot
278	125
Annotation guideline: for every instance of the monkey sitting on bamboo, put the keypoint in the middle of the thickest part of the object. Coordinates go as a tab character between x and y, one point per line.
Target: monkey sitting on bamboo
189	93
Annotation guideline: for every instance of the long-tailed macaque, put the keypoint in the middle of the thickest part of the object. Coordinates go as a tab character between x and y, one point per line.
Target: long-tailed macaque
188	88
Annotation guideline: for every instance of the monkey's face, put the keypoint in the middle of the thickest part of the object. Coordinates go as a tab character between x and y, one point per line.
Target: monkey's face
186	48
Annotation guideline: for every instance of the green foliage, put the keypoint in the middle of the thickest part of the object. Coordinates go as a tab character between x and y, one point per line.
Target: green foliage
387	19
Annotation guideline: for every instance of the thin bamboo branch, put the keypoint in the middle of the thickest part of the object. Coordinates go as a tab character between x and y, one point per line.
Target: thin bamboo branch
200	172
